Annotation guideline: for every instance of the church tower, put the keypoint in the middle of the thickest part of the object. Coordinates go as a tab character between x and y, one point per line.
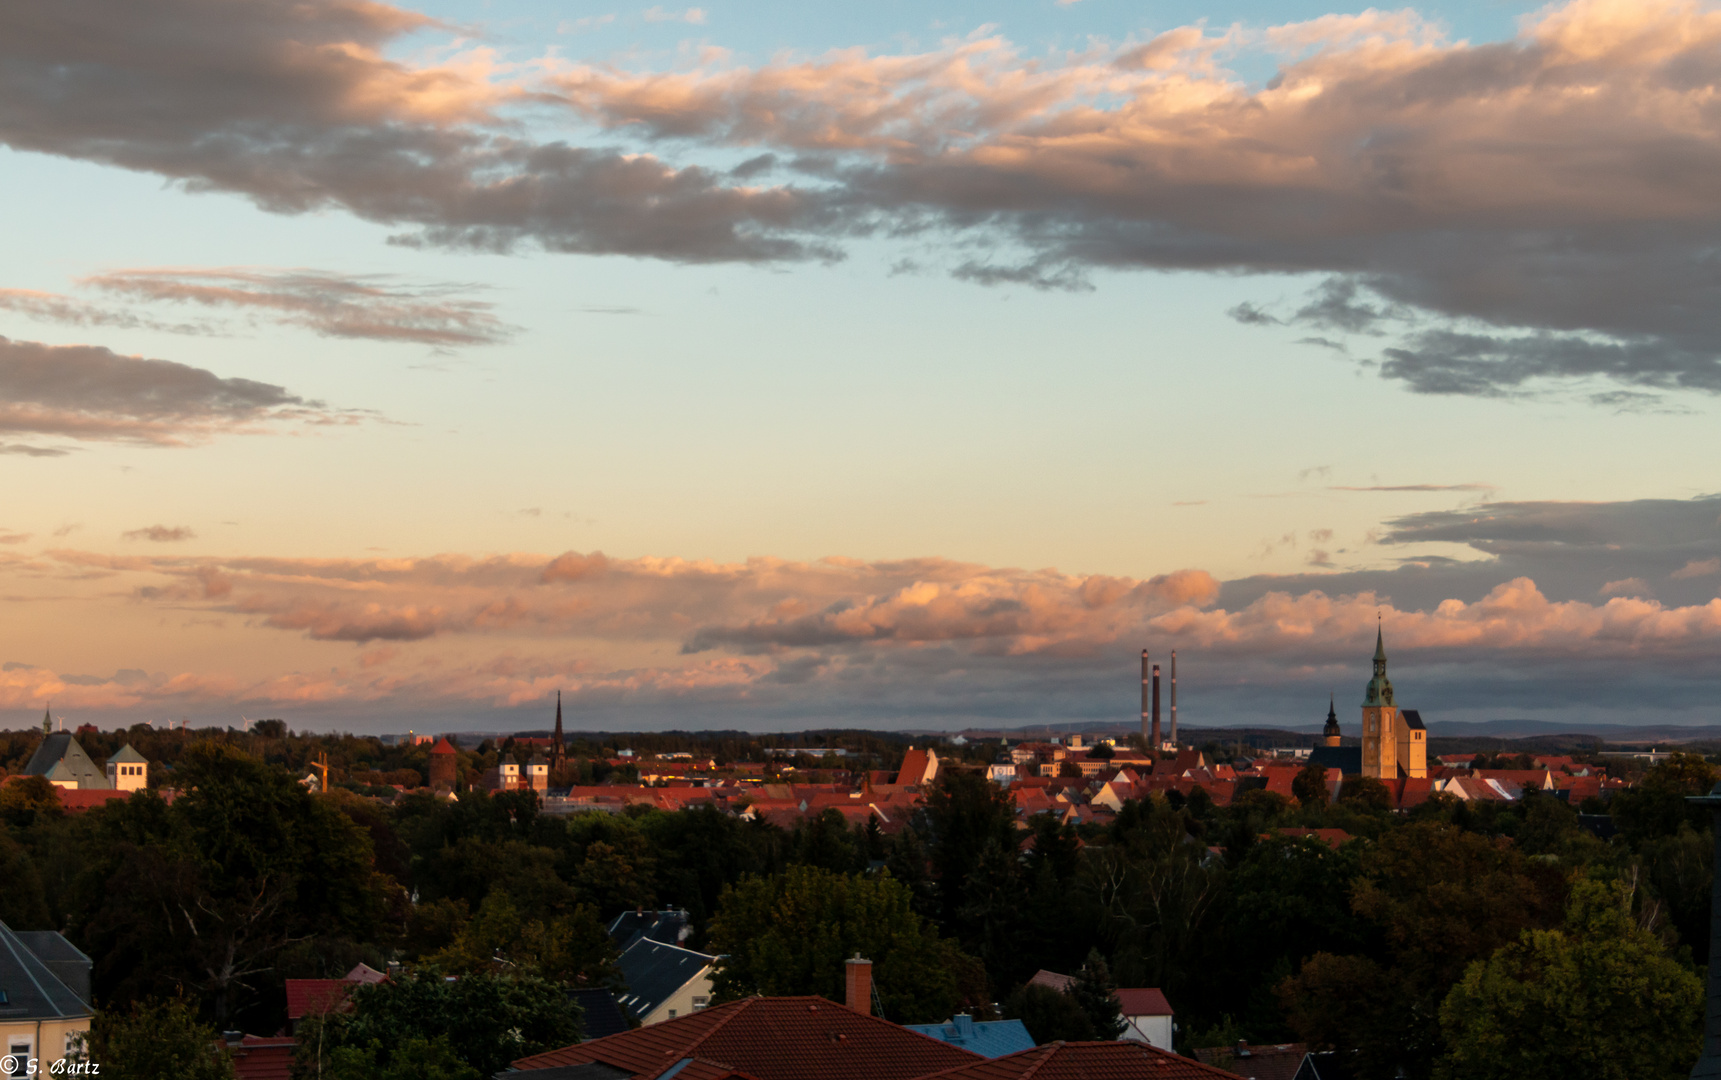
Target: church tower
1380	720
558	746
1330	733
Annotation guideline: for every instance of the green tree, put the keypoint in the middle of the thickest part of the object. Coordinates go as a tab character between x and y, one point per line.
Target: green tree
1095	992
487	1020
157	1038
1310	786
571	948
1365	793
1598	999
415	1058
1049	1015
793	932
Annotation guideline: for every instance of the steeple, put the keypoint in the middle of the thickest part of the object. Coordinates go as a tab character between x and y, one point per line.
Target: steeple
1330	733
48	719
557	748
1380	687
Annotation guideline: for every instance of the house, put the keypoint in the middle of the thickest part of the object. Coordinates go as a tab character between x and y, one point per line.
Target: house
759	1038
663	981
670	927
1281	1061
128	770
992	1038
919	767
1085	1060
63	762
40	1015
313	997
1146	1016
257	1057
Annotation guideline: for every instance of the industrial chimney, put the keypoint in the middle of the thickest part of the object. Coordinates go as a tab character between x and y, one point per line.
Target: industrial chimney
1154	749
1174	697
1145	691
857	986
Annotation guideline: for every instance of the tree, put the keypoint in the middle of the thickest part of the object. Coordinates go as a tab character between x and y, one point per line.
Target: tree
792	933
1310	785
571	948
488	1021
1365	792
1049	1015
414	1059
1598	998
1094	991
1102	752
1069	770
157	1038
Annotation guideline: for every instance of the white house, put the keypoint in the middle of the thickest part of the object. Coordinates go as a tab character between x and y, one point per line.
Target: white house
1147	1016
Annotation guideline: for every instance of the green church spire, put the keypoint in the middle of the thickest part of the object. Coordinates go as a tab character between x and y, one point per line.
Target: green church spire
1380	687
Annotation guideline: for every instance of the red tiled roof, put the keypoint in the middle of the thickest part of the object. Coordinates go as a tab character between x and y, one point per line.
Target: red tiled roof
257	1058
307	997
1336	838
443	746
1051	980
786	1038
1087	1061
77	800
1142	1001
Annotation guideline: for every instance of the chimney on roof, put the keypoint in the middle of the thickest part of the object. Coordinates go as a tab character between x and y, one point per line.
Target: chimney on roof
1154	749
857	985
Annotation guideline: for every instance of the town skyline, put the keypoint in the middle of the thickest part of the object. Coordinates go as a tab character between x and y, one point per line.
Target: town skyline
375	366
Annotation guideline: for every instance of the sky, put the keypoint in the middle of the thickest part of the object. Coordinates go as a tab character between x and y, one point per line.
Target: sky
889	365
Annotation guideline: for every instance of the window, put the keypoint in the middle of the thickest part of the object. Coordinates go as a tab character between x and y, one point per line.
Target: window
672	1014
700	1001
21	1058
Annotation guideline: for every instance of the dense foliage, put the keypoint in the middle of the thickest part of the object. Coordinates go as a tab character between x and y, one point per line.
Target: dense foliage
1454	939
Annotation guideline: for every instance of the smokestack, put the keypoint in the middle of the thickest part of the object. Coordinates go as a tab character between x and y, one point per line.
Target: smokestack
1145	733
1174	696
857	986
1155	748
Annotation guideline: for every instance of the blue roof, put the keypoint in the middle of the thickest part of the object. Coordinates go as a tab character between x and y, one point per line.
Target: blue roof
655	972
992	1038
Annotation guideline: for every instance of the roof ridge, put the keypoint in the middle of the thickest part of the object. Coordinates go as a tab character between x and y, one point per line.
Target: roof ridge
740	1007
1052	1049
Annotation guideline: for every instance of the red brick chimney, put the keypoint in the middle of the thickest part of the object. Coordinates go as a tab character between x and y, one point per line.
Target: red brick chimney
858	985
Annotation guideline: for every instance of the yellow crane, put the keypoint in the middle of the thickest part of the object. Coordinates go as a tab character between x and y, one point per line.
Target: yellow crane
322	766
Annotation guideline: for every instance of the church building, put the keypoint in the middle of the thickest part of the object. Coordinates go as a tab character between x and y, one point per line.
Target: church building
1394	741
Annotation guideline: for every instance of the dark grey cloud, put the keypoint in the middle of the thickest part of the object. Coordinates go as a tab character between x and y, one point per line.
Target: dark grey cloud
92	393
1571	550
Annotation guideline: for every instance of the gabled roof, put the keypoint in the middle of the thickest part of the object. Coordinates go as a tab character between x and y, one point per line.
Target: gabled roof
668	927
258	1058
1346	759
125	755
59	748
1051	980
788	1038
602	1016
1087	1061
33	991
1142	1001
1412	719
308	997
654	972
1280	1061
65	960
443	746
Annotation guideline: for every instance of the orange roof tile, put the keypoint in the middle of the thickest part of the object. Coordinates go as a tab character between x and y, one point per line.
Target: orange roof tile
1087	1061
787	1038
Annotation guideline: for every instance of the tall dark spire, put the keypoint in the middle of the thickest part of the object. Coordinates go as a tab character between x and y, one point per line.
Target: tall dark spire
1330	733
48	719
558	747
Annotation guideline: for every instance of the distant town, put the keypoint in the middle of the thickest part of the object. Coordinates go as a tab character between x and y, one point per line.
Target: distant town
259	902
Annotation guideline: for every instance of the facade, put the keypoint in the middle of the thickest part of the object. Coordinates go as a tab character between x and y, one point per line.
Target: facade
1146	1016
1394	742
444	766
538	773
128	770
664	981
41	1017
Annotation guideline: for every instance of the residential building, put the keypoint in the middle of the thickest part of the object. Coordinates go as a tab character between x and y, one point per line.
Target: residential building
1146	1016
787	1038
64	763
128	770
41	1017
990	1038
1084	1060
663	981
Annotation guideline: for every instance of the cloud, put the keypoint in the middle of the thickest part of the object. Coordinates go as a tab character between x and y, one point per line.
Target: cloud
693	15
161	534
294	104
1474	486
333	305
1697	568
1510	215
91	393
